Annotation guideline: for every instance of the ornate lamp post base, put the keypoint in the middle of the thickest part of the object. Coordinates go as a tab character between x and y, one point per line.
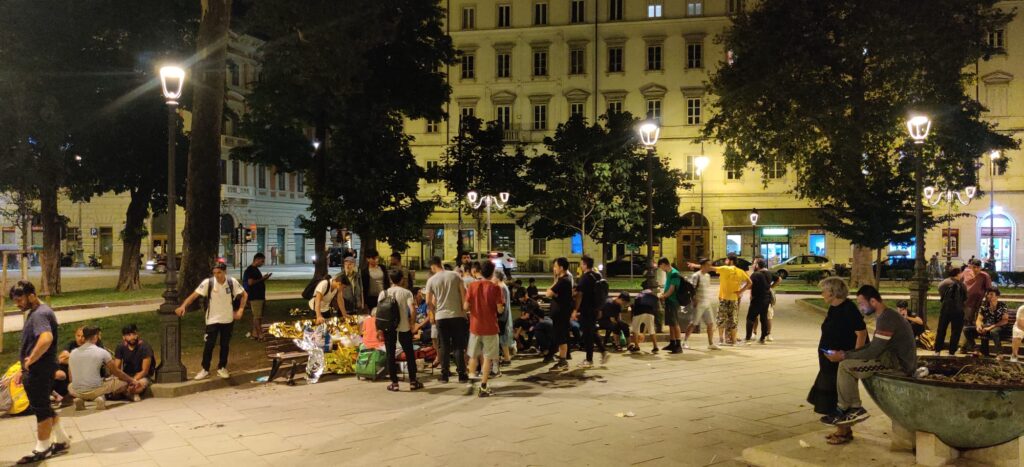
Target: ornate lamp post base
171	370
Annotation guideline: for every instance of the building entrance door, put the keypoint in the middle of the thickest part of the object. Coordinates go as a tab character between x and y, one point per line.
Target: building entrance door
692	239
107	246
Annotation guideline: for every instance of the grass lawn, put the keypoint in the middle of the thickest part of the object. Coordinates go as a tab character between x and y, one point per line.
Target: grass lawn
246	354
933	308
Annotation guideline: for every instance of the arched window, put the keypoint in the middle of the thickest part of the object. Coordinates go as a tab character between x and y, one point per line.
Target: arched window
233	73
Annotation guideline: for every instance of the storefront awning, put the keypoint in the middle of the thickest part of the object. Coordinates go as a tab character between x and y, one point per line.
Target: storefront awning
736	218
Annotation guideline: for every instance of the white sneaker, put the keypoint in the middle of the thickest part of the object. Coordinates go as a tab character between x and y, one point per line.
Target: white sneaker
223	373
79	404
686	346
714	347
101	403
769	339
1013	359
584	365
136	398
203	374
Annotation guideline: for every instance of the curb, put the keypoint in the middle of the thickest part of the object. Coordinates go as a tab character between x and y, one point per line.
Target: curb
187	387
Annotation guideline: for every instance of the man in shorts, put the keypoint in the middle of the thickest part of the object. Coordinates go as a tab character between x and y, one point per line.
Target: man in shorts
732	282
643	321
38	357
703	304
673	281
254	282
485	301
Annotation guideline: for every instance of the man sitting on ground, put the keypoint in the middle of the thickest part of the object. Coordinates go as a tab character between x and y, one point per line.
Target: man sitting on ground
135	357
61	383
86	362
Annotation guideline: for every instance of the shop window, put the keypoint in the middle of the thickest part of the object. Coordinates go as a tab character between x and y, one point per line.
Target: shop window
577	244
816	244
734	244
504	237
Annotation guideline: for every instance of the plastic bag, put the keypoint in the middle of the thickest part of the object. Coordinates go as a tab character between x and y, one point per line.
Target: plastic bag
313	343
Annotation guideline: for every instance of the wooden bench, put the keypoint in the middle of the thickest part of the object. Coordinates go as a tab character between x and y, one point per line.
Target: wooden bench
280	351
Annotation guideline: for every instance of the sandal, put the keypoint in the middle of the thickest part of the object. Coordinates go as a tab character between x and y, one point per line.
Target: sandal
415	385
837	439
393	387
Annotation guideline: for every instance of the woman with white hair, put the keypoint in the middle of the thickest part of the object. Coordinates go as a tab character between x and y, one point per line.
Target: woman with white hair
843	329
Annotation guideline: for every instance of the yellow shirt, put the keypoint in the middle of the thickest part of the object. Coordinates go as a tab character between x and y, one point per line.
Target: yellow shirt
729	280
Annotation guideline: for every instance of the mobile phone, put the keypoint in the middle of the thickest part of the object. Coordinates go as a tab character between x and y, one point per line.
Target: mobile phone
827	351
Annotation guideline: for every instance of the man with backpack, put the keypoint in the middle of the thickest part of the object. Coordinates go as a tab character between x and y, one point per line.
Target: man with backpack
760	299
395	323
220	292
670	296
588	298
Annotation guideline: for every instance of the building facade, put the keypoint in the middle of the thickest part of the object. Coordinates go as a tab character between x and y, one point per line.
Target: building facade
531	64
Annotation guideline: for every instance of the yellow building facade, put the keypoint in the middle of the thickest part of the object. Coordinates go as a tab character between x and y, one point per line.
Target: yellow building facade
531	64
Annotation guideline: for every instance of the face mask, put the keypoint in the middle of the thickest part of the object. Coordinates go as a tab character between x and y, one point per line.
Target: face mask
867	310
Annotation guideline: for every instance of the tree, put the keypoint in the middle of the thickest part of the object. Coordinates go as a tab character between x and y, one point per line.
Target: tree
826	87
202	198
593	182
477	159
363	176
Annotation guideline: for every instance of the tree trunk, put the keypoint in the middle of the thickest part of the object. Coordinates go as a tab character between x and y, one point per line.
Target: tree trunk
50	258
134	232
860	272
202	199
320	245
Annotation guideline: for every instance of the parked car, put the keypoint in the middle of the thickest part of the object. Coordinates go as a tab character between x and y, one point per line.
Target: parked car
622	265
741	262
159	264
803	263
897	264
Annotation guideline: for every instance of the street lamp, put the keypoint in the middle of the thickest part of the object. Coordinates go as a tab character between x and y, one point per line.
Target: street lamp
754	216
649	132
700	163
918	127
499	202
80	253
171	369
993	157
950	197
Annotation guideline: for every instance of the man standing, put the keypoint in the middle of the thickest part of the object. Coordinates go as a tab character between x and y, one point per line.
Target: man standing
978	282
220	291
444	305
892	349
402	332
673	281
352	295
732	282
760	299
38	357
135	357
952	296
561	297
586	311
485	302
374	279
703	303
407	274
87	382
256	287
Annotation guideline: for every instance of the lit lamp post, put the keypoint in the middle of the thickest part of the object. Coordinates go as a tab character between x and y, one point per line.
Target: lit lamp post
950	197
80	254
700	163
499	202
993	157
649	132
171	370
918	127
754	216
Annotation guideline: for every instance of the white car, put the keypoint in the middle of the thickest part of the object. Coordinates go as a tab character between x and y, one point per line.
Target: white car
503	260
803	263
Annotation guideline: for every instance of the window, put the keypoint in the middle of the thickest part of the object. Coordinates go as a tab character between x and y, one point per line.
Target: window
736	6
468	18
951	242
236	176
466	112
280	181
654	8
540	246
654	109
223	166
261	177
694	55
540	62
733	174
693	111
997	39
468	66
504	64
614	107
300	182
540	13
577	62
504	16
653	57
576	14
233	73
503	114
615	10
432	126
691	169
540	117
614	59
776	170
695	8
576	108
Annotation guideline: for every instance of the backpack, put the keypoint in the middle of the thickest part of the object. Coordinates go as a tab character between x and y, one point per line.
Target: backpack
387	317
209	294
600	288
685	292
310	290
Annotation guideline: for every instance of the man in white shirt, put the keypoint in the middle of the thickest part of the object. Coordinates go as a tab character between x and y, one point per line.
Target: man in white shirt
703	303
220	291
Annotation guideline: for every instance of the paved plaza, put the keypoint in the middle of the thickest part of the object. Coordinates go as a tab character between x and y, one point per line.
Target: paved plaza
698	408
